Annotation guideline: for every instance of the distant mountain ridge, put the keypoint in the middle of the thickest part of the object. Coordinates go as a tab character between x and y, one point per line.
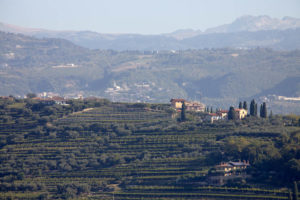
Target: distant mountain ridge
244	32
259	23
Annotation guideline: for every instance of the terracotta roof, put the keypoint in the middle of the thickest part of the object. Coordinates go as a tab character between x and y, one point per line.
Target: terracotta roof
58	98
239	109
224	165
232	164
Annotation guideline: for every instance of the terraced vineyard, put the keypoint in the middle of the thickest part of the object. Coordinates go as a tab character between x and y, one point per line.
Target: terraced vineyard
103	150
116	113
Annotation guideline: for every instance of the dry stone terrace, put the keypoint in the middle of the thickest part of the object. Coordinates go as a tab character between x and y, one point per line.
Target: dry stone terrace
104	150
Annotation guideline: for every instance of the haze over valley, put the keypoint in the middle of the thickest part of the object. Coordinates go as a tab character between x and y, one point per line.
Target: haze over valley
251	57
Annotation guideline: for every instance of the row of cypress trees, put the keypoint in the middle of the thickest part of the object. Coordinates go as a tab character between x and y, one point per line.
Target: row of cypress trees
263	109
253	109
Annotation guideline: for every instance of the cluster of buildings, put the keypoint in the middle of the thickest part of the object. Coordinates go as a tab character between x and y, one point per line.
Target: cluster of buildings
223	114
52	100
200	107
226	171
189	105
230	168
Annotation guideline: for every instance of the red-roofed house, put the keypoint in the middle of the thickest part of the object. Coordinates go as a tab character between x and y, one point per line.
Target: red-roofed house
59	100
189	105
213	117
241	113
177	103
223	113
195	106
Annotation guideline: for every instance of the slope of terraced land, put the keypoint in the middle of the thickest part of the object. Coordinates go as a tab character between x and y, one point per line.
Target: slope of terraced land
116	150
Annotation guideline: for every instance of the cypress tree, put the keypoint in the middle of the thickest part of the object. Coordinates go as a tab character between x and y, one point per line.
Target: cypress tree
231	113
211	110
255	110
261	110
252	108
182	117
264	110
245	106
240	105
295	191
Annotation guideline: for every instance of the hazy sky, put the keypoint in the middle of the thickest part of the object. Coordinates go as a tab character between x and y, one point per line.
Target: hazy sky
138	16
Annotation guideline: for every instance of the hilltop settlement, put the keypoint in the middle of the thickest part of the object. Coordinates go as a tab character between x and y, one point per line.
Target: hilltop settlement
219	114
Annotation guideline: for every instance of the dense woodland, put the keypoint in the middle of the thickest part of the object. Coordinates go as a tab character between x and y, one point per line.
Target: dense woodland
100	149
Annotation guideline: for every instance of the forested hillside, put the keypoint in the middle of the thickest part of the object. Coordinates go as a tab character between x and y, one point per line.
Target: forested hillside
217	77
104	150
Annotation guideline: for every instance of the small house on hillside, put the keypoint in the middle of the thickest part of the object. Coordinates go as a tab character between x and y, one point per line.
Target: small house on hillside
59	100
229	167
51	101
223	113
211	117
194	106
177	103
219	115
226	171
189	105
241	113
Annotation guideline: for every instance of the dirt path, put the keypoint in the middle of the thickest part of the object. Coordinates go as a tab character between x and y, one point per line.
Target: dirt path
84	110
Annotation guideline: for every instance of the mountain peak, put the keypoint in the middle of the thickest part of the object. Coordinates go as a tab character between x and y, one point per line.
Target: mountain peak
256	23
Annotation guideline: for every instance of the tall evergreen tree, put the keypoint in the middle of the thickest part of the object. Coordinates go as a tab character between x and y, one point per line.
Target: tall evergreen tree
182	117
211	109
255	110
231	113
240	105
207	109
260	110
295	191
252	107
264	113
245	106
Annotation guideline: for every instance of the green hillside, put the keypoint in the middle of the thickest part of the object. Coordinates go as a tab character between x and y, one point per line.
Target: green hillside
217	77
97	149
